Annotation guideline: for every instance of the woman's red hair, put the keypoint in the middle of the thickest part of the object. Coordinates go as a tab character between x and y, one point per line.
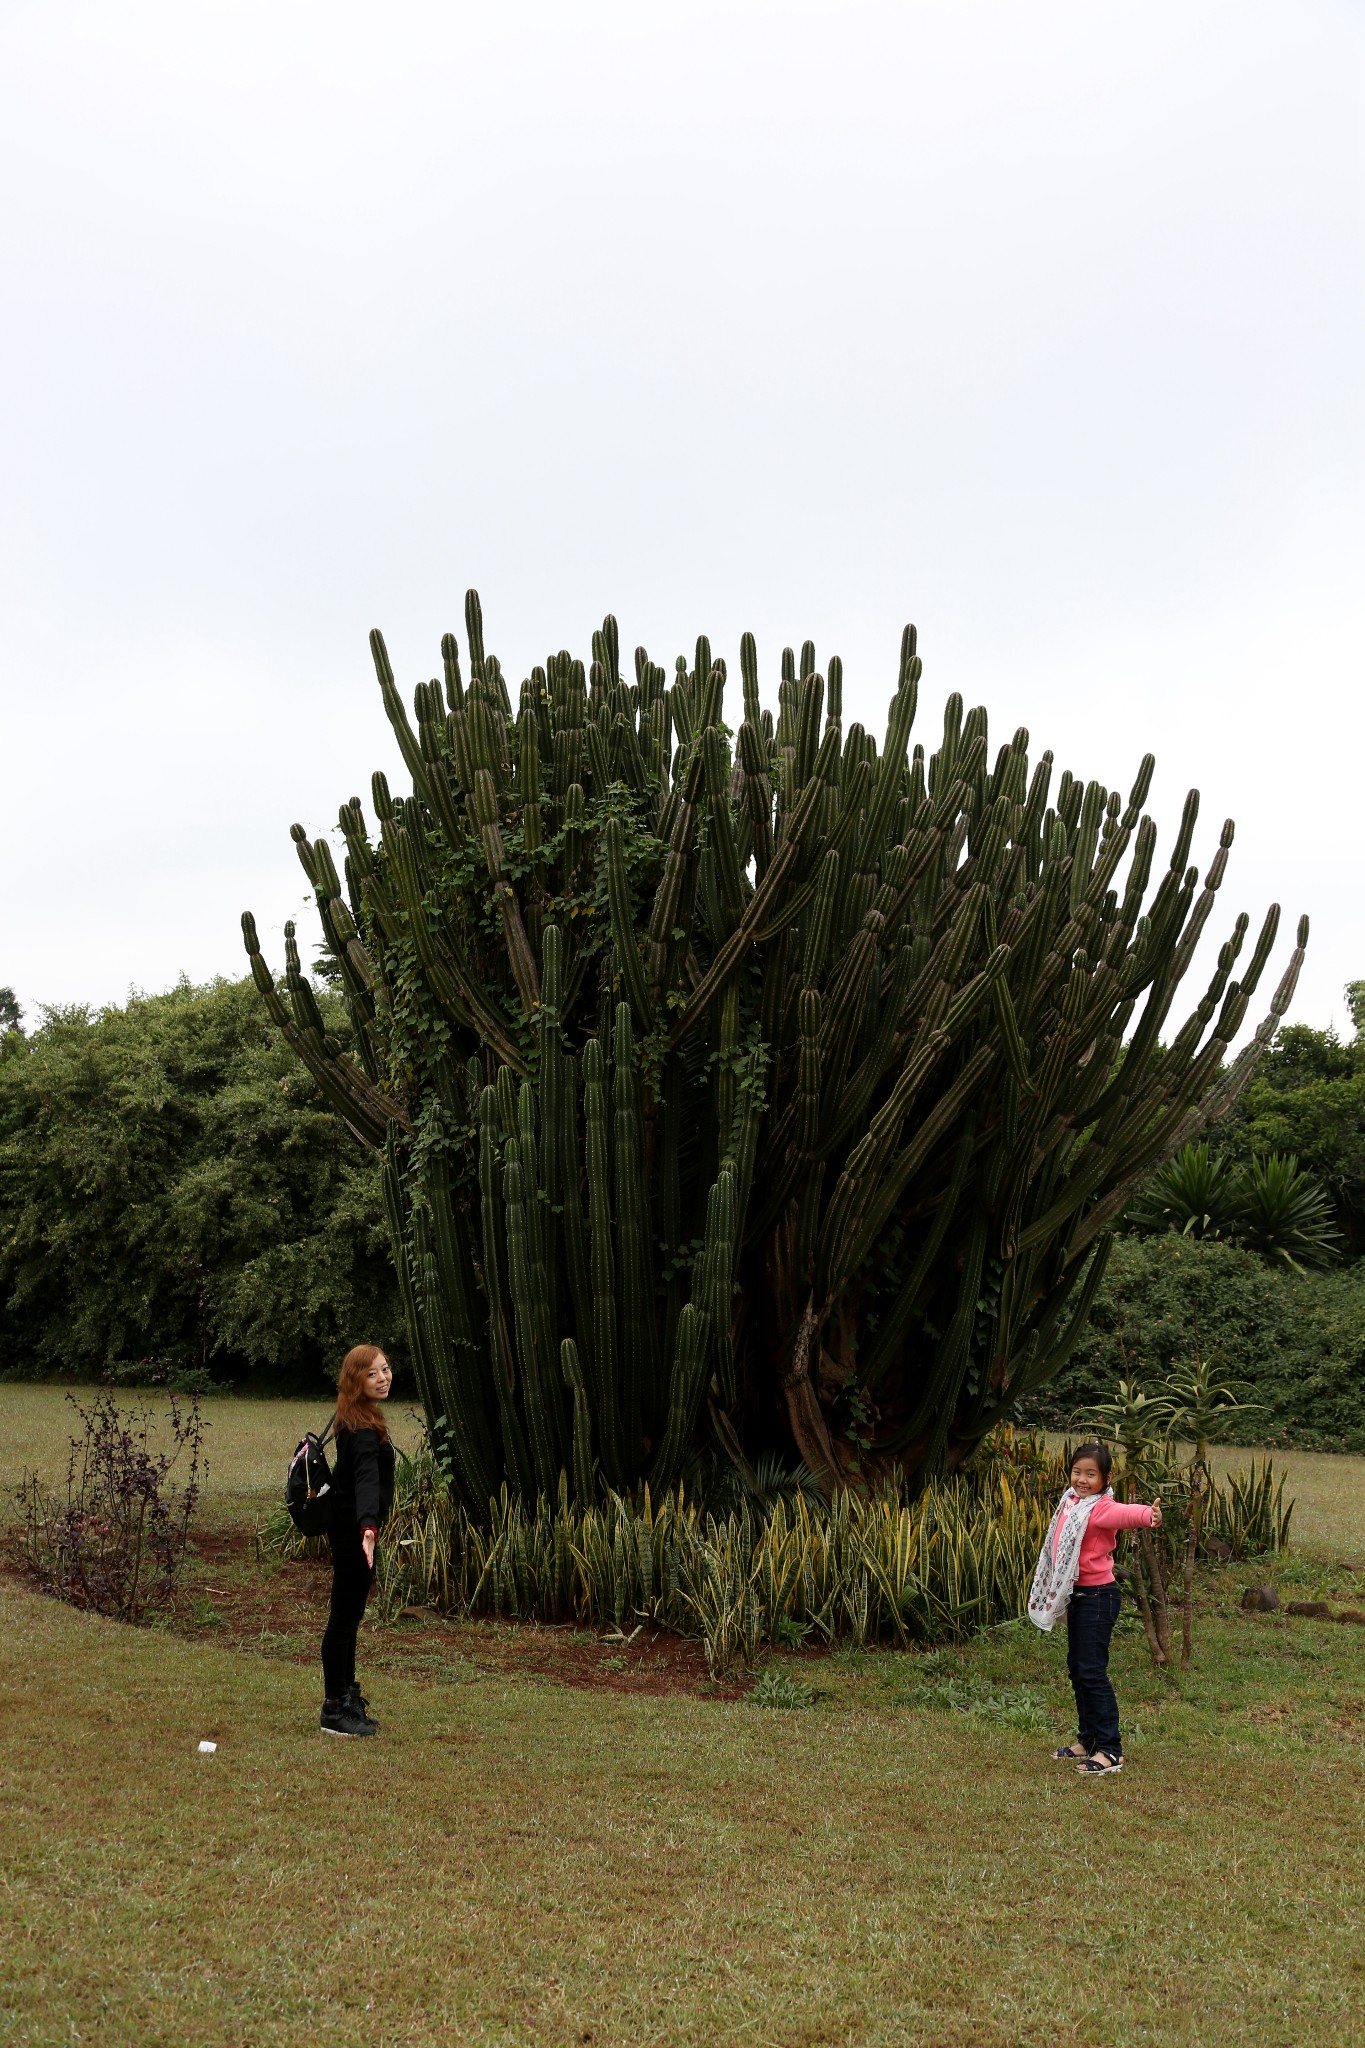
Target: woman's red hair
355	1409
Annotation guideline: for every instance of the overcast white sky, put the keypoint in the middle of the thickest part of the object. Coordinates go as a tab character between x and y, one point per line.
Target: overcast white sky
1042	326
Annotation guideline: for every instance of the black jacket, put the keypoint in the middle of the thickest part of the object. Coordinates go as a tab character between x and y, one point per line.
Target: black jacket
362	1481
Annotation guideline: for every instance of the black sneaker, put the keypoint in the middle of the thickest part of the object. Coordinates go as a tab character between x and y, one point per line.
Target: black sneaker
356	1701
343	1717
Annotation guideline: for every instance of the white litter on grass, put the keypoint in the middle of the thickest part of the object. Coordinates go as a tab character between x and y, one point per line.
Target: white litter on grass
207	1748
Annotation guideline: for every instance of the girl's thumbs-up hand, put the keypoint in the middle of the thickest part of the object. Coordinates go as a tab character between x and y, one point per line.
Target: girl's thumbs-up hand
1156	1514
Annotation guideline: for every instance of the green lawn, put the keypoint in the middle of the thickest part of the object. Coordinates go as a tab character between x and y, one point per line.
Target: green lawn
247	1443
530	1854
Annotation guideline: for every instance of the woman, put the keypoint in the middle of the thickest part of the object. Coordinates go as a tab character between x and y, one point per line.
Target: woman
362	1494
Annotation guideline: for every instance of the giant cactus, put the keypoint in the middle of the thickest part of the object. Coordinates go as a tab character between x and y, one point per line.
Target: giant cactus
782	1091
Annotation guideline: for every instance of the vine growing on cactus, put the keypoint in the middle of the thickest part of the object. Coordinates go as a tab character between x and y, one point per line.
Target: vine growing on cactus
757	1088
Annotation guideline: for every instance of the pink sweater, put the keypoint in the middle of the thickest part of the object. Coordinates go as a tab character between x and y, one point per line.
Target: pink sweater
1107	1517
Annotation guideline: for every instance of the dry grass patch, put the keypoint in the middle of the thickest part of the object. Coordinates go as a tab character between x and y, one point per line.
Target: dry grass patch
247	1442
1328	1491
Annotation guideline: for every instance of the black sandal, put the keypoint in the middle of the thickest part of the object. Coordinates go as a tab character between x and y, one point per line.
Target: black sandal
1100	1765
1070	1755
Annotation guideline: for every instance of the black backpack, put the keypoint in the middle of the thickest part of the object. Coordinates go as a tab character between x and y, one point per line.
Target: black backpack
308	1485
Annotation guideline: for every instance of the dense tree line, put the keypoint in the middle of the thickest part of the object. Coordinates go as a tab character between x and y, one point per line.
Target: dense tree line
178	1203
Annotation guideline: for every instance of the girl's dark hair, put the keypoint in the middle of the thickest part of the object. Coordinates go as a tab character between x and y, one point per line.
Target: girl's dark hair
1100	1454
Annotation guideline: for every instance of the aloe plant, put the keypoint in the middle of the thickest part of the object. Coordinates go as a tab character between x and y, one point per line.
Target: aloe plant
795	1082
1201	1405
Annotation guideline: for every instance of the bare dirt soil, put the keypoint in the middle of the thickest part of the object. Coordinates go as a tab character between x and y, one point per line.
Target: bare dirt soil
229	1595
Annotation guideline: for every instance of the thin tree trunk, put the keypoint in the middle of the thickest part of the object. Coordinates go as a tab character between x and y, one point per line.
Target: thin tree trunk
1161	1611
1191	1546
1144	1603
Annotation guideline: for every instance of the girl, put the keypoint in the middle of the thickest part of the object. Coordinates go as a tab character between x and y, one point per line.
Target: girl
1076	1573
362	1494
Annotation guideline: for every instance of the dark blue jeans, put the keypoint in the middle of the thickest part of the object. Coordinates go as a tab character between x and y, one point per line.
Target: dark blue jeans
1090	1617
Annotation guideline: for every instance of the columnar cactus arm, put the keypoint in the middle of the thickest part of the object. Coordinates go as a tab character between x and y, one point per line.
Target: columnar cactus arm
891	1336
932	1409
396	712
563	1139
585	1487
623	924
641	1394
687	1389
616	1450
1044	1351
494	1241
519	954
460	1401
397	1213
365	1109
768	902
536	1390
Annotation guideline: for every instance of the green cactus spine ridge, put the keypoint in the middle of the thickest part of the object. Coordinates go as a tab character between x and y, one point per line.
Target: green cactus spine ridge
748	1084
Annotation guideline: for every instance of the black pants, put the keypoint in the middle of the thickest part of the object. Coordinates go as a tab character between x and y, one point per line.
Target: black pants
1090	1617
351	1582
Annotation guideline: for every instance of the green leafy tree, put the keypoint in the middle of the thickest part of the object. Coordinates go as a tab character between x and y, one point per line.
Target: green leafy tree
1308	1099
739	1080
175	1196
12	1040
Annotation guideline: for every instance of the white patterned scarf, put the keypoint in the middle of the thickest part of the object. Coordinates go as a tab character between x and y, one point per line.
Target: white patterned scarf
1055	1579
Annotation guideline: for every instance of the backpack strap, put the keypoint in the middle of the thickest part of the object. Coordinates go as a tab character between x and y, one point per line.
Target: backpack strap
329	1431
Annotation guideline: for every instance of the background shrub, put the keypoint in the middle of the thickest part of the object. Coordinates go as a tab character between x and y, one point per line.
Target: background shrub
1297	1339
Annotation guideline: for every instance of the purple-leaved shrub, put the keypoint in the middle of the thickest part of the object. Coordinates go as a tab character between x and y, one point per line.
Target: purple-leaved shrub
116	1542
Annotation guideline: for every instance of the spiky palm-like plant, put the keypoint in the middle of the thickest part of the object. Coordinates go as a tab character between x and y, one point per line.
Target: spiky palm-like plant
761	1088
1273	1205
1199	1193
1287	1214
